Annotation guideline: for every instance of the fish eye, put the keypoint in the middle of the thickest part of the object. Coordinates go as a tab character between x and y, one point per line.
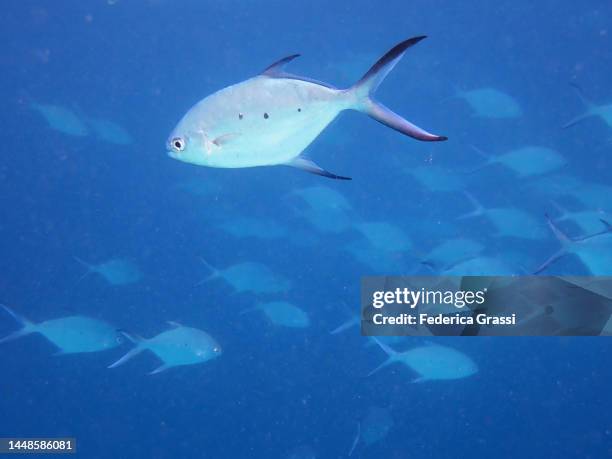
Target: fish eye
178	144
216	349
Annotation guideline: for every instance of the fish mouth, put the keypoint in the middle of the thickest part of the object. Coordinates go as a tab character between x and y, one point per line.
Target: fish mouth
172	154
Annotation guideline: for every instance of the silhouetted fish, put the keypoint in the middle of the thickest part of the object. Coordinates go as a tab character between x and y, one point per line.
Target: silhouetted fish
284	314
175	347
61	119
118	271
431	362
71	335
249	277
491	103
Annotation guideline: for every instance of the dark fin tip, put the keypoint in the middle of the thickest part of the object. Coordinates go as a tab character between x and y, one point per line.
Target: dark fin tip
277	66
391	55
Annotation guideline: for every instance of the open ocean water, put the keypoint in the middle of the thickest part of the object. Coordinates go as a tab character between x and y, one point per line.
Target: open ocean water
98	222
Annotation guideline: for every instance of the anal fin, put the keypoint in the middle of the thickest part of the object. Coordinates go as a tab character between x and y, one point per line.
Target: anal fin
310	166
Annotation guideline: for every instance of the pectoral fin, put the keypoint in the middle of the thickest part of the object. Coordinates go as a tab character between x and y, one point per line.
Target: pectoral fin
309	166
159	369
225	138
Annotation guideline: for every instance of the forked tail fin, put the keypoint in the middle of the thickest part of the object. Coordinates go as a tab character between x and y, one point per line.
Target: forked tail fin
364	89
478	207
27	326
214	272
565	243
389	351
137	349
589	108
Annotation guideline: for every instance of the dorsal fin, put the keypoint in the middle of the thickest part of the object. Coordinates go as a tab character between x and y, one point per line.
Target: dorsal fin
276	69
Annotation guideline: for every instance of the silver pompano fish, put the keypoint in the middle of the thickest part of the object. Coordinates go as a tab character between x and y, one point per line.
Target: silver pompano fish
71	335
270	119
431	362
178	346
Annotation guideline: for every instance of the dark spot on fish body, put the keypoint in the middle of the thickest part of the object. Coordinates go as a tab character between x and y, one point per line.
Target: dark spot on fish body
240	116
266	116
299	109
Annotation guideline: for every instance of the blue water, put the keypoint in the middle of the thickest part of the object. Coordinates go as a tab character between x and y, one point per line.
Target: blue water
143	64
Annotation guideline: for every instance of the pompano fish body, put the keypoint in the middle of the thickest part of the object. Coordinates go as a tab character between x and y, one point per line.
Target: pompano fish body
270	119
285	314
435	178
178	346
263	136
526	161
452	251
110	131
61	119
431	362
508	221
249	277
71	335
491	103
118	271
384	236
322	197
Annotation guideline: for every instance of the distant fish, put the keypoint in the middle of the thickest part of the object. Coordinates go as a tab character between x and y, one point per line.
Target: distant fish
451	251
589	221
271	119
175	347
384	236
378	260
322	197
604	112
284	314
109	131
554	186
526	161
326	220
431	362
491	103
509	221
481	265
71	335
594	251
118	271
61	119
374	427
244	227
437	179
249	277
